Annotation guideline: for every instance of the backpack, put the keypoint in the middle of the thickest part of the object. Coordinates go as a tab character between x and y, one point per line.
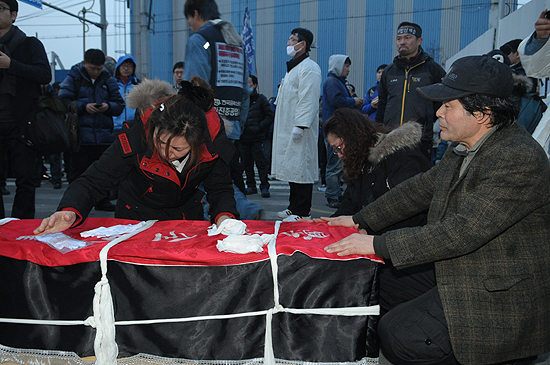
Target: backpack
531	110
45	130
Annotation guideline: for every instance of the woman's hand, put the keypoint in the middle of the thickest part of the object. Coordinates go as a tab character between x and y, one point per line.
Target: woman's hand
355	244
221	218
57	222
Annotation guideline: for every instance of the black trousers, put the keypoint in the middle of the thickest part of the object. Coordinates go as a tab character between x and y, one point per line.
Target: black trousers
300	198
416	333
22	160
253	152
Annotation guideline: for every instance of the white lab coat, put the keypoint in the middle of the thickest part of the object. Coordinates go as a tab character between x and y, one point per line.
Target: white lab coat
538	64
297	106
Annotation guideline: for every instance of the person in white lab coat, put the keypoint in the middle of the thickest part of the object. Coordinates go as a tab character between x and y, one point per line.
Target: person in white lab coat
296	124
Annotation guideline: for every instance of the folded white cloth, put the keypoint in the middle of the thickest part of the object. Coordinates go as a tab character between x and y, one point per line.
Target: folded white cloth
240	243
62	242
112	231
227	227
6	220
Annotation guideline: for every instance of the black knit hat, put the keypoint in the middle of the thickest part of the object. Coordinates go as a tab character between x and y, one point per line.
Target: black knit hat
14	6
472	75
304	35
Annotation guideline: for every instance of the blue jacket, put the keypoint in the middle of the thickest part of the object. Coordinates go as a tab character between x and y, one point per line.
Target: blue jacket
369	97
335	95
124	89
95	129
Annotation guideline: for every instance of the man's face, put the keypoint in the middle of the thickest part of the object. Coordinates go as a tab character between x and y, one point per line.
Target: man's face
126	68
407	45
93	70
7	17
457	125
250	83
195	22
299	46
346	69
178	75
514	57
379	74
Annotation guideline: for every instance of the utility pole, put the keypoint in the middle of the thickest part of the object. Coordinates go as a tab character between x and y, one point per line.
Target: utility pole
104	27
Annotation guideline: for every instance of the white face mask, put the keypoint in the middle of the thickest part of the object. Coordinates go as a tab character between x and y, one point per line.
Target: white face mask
291	52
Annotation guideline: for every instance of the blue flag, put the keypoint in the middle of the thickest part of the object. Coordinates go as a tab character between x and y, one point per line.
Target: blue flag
248	40
37	3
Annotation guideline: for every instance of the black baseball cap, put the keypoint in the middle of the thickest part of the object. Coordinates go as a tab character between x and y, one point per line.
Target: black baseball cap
303	35
472	75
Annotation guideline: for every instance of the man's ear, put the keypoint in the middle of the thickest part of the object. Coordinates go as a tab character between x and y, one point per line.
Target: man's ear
13	16
482	118
419	40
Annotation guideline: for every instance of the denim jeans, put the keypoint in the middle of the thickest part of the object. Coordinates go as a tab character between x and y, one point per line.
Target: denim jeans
333	175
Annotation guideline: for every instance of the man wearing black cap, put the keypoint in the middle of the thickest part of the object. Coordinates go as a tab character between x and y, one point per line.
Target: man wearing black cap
488	203
295	130
24	67
398	100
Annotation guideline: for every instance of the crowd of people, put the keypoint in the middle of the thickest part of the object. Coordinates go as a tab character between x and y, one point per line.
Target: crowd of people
462	223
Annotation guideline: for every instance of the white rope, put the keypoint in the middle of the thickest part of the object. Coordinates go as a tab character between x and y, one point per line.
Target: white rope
103	320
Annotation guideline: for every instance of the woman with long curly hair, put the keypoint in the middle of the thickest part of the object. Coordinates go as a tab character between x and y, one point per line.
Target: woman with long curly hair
375	160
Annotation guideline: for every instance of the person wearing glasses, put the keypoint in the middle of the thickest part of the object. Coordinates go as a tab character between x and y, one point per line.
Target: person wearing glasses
24	67
376	159
177	73
125	76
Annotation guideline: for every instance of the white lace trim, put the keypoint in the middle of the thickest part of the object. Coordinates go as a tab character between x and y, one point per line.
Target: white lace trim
103	320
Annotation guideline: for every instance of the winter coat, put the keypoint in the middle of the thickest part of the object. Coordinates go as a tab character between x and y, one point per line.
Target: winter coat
488	235
124	87
398	100
369	97
95	129
152	189
297	106
391	161
535	56
30	67
260	119
335	92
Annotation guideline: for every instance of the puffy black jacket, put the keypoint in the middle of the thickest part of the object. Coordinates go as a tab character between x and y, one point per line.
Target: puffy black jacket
151	189
399	101
260	118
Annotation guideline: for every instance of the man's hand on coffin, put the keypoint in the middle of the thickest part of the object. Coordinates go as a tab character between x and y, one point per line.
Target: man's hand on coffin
57	222
341	221
355	244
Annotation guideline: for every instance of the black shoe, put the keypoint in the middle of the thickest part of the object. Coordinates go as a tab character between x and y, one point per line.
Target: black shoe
250	191
106	206
56	185
265	193
4	191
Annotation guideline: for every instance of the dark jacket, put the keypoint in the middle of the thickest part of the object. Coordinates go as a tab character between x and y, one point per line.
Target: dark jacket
259	120
369	97
151	189
30	66
488	235
393	160
335	95
399	101
95	129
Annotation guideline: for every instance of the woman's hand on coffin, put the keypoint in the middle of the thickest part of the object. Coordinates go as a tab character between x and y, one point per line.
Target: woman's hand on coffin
355	244
57	222
221	218
341	221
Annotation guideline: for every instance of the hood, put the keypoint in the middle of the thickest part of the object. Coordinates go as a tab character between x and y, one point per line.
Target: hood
522	84
229	33
122	59
146	93
406	136
336	63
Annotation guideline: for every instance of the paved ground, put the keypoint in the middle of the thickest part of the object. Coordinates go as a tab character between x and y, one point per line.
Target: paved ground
47	199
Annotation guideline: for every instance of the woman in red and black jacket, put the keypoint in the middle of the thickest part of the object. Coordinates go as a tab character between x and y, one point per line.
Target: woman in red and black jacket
160	161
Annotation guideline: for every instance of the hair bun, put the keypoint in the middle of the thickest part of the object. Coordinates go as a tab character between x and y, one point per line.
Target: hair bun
196	94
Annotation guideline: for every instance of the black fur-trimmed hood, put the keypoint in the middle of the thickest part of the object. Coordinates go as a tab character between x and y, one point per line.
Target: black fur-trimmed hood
406	136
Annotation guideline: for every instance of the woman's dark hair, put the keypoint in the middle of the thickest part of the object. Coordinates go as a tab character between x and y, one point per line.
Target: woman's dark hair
207	9
198	91
503	111
358	133
254	79
178	116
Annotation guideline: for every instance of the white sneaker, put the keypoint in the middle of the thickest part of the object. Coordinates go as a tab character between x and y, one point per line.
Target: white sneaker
285	213
294	218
